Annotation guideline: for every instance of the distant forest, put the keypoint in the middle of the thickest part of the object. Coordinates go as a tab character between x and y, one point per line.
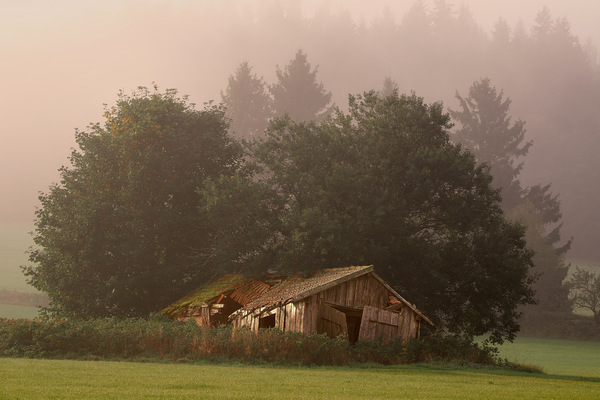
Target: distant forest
551	76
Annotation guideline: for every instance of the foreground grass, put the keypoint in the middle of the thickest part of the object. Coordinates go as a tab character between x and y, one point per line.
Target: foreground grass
555	356
59	379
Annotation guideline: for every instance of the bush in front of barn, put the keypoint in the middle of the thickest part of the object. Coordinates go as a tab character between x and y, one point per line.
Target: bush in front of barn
451	348
108	338
158	338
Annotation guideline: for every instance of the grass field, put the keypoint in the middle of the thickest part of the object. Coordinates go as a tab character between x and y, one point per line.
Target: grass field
14	242
10	311
45	379
556	356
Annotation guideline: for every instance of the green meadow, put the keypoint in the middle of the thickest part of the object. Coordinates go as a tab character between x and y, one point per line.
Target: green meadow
45	379
14	242
555	356
15	312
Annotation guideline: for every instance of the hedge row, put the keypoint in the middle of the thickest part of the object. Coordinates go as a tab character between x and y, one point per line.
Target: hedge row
159	338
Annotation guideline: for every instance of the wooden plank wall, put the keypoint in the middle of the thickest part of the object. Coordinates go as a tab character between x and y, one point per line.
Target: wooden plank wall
332	322
409	326
203	317
359	292
363	291
289	317
311	314
292	317
377	323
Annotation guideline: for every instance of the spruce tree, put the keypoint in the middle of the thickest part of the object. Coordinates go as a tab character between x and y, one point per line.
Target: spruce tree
485	128
247	102
297	92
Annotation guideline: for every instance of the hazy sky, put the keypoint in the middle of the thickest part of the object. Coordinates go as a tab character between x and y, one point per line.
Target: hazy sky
62	59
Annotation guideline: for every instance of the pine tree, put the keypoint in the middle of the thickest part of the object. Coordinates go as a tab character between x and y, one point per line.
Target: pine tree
247	103
486	130
297	92
389	87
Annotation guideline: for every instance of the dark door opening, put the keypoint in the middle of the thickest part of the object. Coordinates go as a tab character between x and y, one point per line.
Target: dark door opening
353	316
353	322
267	322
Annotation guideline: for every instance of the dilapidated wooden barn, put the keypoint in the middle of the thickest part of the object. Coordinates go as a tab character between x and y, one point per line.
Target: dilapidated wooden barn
213	303
352	302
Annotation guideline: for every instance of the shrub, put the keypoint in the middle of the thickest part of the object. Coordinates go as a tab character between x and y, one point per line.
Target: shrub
161	339
451	348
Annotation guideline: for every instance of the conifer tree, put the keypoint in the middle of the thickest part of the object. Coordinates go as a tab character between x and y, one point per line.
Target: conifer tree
247	103
389	87
485	128
298	93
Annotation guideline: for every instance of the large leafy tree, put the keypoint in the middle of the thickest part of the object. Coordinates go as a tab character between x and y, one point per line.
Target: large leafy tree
298	93
247	103
384	185
117	235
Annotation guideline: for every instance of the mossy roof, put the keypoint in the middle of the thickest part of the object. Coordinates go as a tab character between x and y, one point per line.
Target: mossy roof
239	287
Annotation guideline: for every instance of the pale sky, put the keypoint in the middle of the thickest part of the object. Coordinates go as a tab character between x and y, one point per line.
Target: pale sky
61	60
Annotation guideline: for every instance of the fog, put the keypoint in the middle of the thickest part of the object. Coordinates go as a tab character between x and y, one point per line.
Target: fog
62	60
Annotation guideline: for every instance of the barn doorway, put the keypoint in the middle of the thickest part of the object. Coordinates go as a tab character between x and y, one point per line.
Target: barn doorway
353	323
353	320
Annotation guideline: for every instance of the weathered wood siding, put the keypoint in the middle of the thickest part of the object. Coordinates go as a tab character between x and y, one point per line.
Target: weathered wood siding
292	317
314	314
332	322
359	292
409	325
377	323
202	316
311	314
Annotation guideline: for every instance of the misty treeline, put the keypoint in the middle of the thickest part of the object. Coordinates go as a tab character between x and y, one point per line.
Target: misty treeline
484	126
551	75
549	149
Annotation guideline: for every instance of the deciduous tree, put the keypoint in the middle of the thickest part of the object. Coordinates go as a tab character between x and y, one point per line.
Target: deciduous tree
384	185
585	291
116	236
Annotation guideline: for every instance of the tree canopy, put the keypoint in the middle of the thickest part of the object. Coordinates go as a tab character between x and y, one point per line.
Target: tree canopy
383	185
117	235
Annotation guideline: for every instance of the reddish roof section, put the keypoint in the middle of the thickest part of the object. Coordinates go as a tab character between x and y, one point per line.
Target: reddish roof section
238	287
297	288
